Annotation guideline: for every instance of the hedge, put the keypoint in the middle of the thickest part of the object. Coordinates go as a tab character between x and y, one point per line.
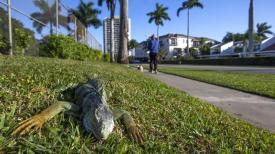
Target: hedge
65	47
255	61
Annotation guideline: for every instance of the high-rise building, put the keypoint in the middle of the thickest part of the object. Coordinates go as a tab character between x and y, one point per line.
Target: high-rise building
107	34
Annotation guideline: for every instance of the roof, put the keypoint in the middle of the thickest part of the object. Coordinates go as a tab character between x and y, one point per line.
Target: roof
268	43
173	35
220	44
182	35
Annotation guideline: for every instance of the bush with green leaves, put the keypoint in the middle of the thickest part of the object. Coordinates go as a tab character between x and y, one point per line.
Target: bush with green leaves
205	49
162	54
4	47
65	47
254	61
194	52
106	57
22	37
238	49
22	40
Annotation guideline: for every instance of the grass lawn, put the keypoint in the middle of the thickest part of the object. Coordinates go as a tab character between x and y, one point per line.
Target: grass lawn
171	121
261	84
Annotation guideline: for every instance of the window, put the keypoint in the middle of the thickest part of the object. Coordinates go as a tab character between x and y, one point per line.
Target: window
173	41
161	43
196	44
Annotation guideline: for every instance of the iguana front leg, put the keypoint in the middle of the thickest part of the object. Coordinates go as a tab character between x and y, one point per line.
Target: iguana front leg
36	122
131	127
1	151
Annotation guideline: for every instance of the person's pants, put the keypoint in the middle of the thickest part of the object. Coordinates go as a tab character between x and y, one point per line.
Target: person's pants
153	61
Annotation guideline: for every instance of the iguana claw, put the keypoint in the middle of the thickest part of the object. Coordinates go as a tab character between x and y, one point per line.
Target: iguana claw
135	134
1	151
34	123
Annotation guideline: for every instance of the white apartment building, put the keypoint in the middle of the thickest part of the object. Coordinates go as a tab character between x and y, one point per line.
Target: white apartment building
173	44
116	32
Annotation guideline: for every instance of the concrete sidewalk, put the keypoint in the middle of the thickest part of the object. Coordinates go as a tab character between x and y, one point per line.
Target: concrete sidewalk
257	110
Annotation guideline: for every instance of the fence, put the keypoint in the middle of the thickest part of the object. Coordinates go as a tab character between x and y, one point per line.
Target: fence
39	18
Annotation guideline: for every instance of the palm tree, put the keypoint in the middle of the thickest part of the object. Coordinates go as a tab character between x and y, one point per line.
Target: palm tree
158	16
263	29
111	5
124	29
202	41
132	44
251	27
187	5
47	16
87	15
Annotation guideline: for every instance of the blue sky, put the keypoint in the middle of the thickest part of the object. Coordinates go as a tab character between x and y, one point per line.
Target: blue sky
217	17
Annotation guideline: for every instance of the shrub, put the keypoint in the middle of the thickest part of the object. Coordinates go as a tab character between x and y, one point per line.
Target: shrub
238	50
56	46
106	57
162	54
4	47
65	47
205	50
22	40
194	52
256	61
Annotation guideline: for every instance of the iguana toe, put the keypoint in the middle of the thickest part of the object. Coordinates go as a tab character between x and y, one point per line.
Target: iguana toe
34	124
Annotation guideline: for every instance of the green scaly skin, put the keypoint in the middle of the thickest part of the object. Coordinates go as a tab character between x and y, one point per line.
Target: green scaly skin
36	122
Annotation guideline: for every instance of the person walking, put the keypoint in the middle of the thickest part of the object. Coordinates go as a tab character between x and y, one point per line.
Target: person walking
153	47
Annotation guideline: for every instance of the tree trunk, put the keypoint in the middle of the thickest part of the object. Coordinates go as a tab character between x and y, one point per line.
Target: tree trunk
51	28
10	28
112	54
188	16
51	16
251	27
85	37
56	15
123	41
158	32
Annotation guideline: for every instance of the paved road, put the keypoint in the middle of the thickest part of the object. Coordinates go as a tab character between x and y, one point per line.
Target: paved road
260	70
259	111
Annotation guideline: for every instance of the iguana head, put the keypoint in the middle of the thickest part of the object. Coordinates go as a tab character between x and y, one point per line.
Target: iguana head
99	121
98	117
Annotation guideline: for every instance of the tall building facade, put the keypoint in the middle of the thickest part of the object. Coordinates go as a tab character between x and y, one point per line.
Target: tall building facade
116	31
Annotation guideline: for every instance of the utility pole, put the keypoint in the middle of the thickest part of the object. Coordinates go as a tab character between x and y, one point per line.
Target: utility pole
10	27
56	14
75	29
251	27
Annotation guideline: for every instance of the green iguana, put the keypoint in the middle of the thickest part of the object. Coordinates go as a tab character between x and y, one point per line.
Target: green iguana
89	102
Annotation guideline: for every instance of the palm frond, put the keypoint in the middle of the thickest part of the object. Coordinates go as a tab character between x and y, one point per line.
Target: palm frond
100	2
41	4
47	15
158	15
151	20
179	10
185	5
263	29
198	5
87	14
